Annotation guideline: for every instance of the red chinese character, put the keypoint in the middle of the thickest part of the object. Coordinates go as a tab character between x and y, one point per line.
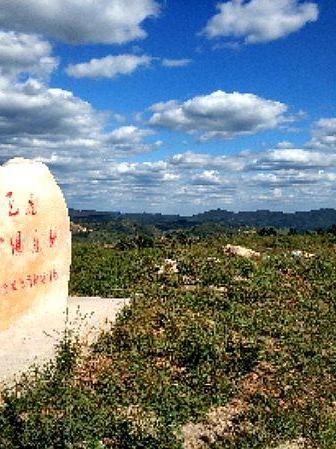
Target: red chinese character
30	280
52	238
11	213
53	275
4	287
36	279
17	243
31	210
44	278
36	244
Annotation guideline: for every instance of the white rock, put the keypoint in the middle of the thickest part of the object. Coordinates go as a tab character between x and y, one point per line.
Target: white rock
299	253
213	259
232	250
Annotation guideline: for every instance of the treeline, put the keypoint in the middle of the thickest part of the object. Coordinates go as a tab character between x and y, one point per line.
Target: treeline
300	221
125	234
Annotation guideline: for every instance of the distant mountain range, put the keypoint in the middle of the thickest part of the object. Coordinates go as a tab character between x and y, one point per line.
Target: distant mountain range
306	220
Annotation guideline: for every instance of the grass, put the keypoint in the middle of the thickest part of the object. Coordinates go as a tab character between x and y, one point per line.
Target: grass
227	353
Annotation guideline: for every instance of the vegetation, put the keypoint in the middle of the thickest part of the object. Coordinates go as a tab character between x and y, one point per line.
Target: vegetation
228	352
303	221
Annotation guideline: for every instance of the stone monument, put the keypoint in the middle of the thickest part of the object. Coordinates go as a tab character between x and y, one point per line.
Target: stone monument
35	258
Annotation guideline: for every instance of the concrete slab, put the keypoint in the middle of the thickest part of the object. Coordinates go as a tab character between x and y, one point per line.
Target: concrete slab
85	317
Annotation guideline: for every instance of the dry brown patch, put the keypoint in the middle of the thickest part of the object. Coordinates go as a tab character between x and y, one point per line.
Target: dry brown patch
145	421
230	421
88	369
299	443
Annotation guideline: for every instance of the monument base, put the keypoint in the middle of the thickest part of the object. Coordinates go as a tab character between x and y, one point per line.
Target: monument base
86	317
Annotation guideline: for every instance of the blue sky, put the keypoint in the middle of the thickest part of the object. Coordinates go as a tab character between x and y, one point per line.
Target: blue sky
173	106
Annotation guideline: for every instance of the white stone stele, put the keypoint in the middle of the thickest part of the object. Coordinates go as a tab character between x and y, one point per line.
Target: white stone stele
34	273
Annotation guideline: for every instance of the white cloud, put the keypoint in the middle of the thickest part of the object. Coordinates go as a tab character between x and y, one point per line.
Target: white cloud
293	158
324	135
285	144
190	160
31	108
220	115
290	178
76	141
25	53
260	20
190	182
112	66
35	119
170	177
79	22
176	62
128	140
207	177
270	160
109	66
129	134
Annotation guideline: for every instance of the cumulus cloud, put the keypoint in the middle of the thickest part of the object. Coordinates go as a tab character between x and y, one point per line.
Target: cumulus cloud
324	135
109	66
190	160
25	53
257	21
35	119
79	22
112	66
220	115
189	182
291	178
248	161
128	134
31	108
78	144
207	177
294	158
128	140
176	62
285	144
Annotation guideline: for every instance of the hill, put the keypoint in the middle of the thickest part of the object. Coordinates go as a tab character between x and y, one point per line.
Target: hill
214	351
301	220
